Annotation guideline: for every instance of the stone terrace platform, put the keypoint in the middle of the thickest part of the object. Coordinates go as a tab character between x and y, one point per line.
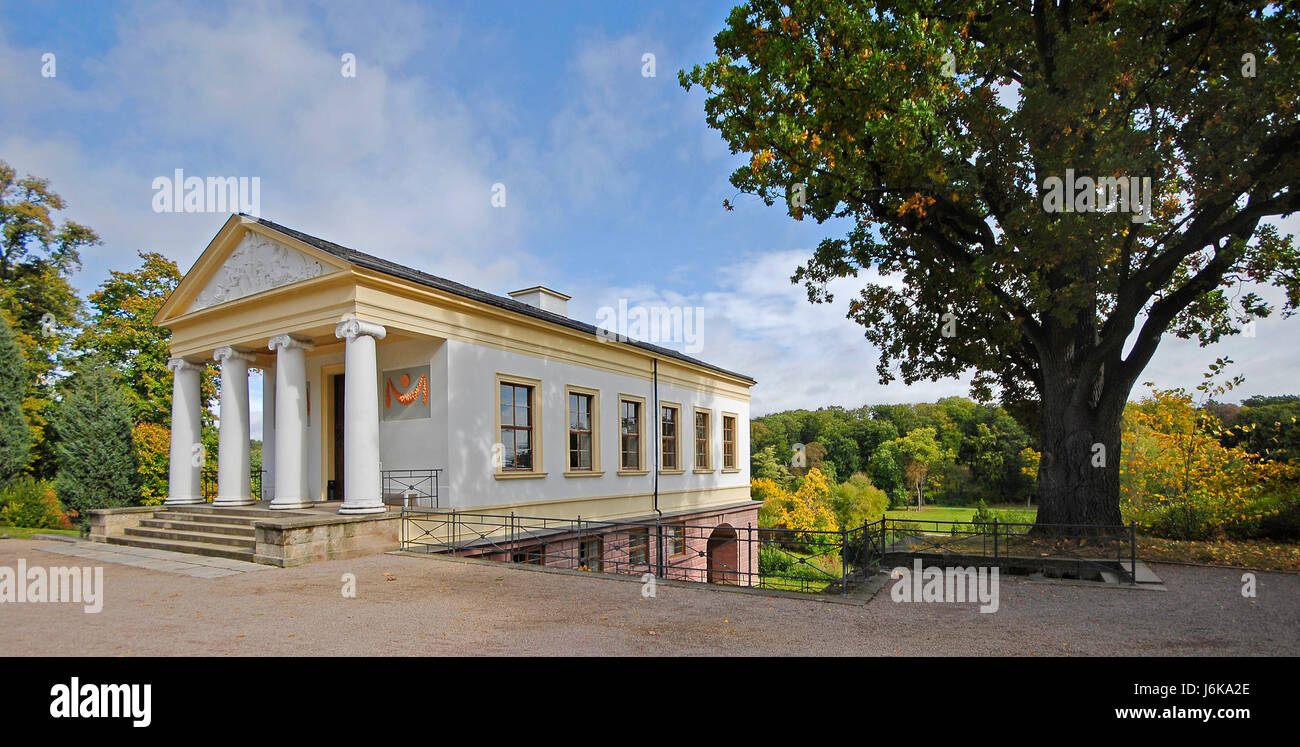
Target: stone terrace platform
250	533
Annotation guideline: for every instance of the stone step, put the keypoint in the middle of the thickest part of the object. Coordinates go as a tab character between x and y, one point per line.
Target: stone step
240	530
172	514
1144	573
247	543
193	548
239	511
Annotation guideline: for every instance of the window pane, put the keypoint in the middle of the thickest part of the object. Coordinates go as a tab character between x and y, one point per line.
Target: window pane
523	450
508	449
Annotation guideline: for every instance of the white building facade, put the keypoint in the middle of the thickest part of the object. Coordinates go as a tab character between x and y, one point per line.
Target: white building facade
377	375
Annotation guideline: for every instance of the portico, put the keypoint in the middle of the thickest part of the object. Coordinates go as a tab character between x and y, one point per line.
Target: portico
259	300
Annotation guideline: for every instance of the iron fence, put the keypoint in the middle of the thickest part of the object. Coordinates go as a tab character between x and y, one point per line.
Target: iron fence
1063	550
767	558
806	561
208	483
411	487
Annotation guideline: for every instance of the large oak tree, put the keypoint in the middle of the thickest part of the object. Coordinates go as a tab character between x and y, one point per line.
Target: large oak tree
934	128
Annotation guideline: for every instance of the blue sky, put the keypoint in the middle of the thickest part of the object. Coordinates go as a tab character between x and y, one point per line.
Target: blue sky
614	185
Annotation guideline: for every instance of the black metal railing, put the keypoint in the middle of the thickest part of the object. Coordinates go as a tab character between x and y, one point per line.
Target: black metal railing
786	559
1070	550
805	561
417	488
208	483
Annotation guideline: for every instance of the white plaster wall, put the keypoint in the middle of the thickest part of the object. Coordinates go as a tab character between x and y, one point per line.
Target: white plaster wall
472	403
403	444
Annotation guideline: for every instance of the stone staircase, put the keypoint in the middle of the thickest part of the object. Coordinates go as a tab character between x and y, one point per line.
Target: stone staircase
198	530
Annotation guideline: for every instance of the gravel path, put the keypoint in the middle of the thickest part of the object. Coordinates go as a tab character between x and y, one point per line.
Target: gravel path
420	606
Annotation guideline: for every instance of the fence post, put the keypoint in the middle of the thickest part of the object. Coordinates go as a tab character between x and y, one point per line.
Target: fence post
844	562
749	555
1132	553
882	542
995	540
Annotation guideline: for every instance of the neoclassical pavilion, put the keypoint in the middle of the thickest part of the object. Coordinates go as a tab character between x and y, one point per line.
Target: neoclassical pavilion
372	368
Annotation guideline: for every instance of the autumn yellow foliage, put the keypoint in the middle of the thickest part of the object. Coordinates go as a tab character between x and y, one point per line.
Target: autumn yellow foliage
1178	480
806	510
153	442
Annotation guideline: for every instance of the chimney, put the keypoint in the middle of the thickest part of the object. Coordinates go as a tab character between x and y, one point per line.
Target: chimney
544	299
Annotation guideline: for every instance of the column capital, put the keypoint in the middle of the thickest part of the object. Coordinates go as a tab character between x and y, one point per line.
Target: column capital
352	328
289	342
226	352
176	365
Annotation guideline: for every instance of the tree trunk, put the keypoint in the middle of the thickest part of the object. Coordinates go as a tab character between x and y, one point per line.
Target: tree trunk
1078	477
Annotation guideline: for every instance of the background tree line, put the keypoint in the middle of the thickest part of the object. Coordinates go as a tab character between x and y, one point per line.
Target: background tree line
954	451
1189	469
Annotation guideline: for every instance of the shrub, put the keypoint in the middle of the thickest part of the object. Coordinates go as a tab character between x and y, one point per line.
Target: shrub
32	504
1177	480
982	514
1285	524
773	561
857	501
153	443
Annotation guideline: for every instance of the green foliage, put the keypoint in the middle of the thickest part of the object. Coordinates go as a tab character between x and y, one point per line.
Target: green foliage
764	465
856	501
1267	426
773	560
982	513
933	131
983	448
31	503
121	330
37	260
15	434
98	462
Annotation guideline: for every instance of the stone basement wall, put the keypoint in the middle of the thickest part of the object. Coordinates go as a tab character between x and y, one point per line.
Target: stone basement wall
299	540
562	551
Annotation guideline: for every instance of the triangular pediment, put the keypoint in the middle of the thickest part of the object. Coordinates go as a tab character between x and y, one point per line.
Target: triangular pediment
245	259
257	263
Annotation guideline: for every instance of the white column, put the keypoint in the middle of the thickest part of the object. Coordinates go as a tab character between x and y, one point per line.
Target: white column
186	444
290	422
233	487
361	478
268	432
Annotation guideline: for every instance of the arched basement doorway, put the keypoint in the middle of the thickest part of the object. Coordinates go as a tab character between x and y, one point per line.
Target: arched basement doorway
723	554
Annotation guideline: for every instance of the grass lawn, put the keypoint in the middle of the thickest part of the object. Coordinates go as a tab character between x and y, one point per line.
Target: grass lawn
27	532
962	513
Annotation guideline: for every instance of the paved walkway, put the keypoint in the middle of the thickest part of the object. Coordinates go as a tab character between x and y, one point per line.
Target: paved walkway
180	563
404	605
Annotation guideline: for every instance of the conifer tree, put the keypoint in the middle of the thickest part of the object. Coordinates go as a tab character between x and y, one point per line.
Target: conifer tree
98	462
15	433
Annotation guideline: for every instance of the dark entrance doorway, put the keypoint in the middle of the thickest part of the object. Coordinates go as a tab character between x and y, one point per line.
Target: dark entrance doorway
337	409
723	555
